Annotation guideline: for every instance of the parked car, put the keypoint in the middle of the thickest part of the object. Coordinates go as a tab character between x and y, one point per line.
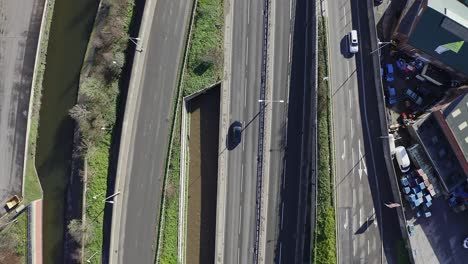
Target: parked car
390	73
465	243
235	134
414	97
392	98
353	41
402	159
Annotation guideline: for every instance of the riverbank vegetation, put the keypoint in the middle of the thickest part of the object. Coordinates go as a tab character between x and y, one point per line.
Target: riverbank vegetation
95	113
325	238
203	68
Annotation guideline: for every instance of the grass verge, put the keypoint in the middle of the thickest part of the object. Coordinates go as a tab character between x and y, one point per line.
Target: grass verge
98	164
96	108
32	186
14	240
203	67
402	253
325	238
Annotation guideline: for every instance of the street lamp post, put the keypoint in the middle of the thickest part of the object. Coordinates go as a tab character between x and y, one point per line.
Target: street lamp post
136	41
271	101
381	43
89	259
109	197
97	195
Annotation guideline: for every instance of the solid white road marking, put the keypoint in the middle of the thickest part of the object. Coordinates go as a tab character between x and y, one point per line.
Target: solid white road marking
240	218
346	220
360	216
354	247
350	99
248	14
280	250
344	150
242	176
368	247
282	212
344	15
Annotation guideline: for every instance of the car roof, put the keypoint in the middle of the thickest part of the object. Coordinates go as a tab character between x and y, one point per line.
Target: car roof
400	149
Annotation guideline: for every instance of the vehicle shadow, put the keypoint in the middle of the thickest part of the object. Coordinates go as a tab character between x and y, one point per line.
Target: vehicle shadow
344	50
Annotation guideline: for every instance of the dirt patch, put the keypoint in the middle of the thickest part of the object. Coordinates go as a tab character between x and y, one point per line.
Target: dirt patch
203	177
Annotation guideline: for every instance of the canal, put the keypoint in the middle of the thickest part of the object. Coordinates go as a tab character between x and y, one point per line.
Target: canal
203	176
71	26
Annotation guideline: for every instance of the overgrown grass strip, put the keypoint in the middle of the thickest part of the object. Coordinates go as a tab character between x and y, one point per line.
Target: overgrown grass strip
325	238
95	113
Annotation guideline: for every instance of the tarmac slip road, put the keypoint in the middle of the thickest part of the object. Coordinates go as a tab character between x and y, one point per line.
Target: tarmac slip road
366	232
19	35
150	127
293	244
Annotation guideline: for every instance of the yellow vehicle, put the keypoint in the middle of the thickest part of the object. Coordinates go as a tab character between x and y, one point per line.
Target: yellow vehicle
13	202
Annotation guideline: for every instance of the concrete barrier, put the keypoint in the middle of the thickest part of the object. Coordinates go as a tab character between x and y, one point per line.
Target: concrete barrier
383	123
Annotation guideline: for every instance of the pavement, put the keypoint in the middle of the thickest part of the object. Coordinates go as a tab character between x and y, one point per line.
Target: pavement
35	232
20	23
236	222
366	232
146	130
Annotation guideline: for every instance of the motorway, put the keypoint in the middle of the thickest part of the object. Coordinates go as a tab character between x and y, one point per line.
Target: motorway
282	20
293	244
366	232
241	162
19	32
150	125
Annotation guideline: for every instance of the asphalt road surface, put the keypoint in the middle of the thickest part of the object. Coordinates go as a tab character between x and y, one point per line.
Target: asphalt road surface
282	18
293	239
20	23
362	186
164	55
241	175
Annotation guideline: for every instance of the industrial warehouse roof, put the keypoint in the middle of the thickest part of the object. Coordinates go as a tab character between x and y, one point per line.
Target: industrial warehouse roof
456	115
442	32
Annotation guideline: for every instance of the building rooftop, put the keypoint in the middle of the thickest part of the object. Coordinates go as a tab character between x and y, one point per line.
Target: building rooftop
440	152
441	31
456	116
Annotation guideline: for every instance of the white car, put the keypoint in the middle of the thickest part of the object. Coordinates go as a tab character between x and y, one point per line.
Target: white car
353	41
402	159
465	243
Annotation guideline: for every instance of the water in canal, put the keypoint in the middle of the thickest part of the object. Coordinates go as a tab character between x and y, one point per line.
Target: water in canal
71	26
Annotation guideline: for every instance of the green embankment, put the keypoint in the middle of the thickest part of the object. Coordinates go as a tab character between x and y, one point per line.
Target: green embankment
95	111
325	239
32	186
14	240
203	68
